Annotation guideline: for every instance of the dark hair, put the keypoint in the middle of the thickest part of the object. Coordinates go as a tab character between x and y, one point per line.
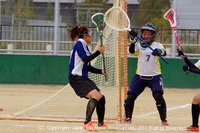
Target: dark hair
78	32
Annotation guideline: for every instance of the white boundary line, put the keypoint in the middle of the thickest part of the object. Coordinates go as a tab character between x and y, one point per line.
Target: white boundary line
168	109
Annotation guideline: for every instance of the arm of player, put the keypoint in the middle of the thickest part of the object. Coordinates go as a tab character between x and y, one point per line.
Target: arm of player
191	69
94	55
91	57
94	70
194	70
133	40
98	71
132	48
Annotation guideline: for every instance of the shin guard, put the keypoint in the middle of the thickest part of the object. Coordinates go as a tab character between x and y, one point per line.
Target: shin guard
162	110
92	103
195	115
161	105
101	111
129	105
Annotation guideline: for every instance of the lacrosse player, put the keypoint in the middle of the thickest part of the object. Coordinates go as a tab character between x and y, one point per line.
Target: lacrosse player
148	73
195	109
79	66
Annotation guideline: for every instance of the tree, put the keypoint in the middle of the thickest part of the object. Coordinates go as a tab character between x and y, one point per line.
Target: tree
100	5
152	11
8	7
49	12
89	7
24	11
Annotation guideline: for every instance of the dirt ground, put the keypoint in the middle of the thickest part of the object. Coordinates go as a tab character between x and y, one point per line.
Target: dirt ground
14	98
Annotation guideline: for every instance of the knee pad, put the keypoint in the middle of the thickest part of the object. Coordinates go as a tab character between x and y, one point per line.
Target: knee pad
130	99
102	101
158	96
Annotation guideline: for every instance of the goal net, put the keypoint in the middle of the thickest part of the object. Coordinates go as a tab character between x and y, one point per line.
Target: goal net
65	104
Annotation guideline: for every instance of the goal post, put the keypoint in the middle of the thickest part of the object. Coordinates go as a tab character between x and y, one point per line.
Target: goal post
65	105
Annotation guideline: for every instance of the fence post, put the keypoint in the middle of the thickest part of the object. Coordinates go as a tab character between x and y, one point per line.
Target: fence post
10	48
169	51
49	48
198	38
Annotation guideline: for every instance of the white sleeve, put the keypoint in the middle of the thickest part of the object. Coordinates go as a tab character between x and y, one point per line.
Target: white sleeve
197	64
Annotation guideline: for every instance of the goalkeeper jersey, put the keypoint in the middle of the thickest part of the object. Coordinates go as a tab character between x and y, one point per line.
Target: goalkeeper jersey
197	64
147	65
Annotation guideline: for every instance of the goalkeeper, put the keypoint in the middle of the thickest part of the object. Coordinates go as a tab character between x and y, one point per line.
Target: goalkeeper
195	109
148	73
79	66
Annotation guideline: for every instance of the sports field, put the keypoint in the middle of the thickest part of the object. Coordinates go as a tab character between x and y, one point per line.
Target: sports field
14	98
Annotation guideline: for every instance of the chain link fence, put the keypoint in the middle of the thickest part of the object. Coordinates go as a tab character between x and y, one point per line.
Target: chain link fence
36	36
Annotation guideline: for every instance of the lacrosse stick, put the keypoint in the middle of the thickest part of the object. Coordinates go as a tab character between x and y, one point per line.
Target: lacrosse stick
116	11
98	20
170	15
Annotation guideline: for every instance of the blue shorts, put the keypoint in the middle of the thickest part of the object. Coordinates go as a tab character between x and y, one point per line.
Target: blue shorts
138	84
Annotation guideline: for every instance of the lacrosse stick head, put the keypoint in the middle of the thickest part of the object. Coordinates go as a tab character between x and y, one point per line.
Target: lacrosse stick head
98	20
117	19
170	15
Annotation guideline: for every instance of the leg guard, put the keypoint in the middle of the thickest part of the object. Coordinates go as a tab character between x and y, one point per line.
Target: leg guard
92	103
101	110
161	105
195	115
129	105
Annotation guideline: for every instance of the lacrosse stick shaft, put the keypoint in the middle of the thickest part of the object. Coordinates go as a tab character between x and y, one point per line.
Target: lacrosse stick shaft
179	45
151	48
103	57
98	20
176	36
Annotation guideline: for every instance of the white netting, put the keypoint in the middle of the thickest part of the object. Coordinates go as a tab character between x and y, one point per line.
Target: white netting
121	14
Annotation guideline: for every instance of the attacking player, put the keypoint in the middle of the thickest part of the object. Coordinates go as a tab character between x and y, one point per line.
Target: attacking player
195	109
148	73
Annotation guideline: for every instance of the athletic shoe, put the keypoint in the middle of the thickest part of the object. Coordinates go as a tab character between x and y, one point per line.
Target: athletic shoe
89	127
192	129
104	126
165	123
127	121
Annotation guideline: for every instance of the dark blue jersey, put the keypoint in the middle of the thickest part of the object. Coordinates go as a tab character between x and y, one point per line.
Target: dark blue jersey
76	65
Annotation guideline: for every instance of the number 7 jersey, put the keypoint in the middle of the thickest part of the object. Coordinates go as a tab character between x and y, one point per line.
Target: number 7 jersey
148	65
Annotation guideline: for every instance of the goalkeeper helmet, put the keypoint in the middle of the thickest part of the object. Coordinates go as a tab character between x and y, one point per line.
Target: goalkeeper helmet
152	28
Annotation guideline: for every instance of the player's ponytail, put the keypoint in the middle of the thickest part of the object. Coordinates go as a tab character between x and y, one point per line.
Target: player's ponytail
78	32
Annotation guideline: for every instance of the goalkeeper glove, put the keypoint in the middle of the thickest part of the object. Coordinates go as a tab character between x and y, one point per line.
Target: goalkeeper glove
157	52
133	33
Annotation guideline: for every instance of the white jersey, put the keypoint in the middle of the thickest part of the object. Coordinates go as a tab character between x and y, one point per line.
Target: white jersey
197	64
147	65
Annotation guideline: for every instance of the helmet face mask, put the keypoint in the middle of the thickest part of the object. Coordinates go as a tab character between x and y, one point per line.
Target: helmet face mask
149	27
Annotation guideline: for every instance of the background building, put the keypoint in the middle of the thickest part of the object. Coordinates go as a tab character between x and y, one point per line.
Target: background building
188	13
